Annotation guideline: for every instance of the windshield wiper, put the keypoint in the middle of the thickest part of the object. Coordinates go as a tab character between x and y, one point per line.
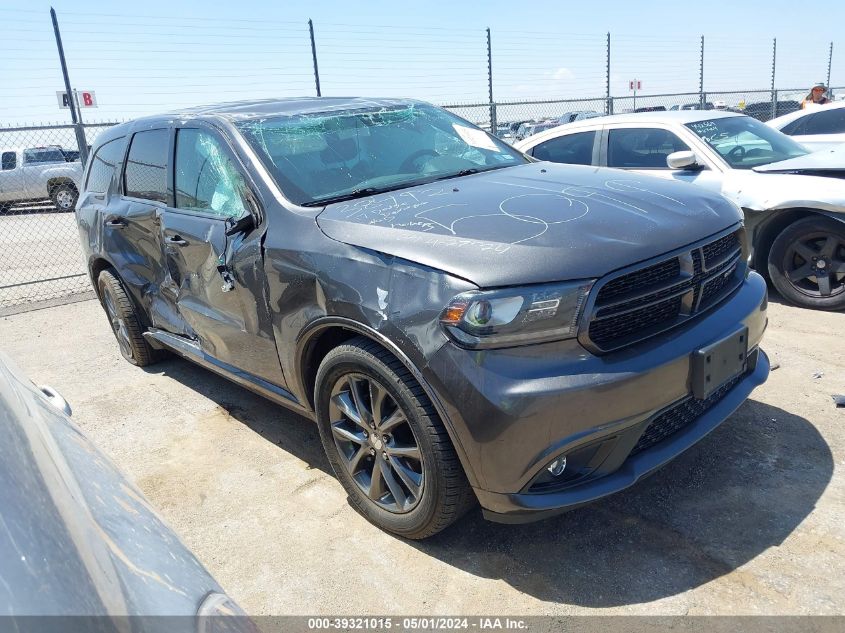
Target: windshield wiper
469	171
362	192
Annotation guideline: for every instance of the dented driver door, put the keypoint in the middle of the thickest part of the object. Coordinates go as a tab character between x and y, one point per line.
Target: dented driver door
216	280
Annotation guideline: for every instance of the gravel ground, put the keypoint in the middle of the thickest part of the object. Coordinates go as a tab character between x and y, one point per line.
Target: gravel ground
749	521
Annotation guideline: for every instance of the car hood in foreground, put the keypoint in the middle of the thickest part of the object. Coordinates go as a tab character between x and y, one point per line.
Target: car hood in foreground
534	223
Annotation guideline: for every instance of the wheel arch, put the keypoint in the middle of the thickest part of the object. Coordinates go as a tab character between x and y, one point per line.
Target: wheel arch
56	181
772	227
323	335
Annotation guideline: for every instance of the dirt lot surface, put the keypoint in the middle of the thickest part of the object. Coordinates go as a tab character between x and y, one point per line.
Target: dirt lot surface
750	521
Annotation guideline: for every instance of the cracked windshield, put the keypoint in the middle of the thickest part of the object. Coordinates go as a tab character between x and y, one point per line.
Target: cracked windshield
328	157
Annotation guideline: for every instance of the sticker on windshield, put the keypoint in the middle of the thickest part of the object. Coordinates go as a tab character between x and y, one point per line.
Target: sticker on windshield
476	138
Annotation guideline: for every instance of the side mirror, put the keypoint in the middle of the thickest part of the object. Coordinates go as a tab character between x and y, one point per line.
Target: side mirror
682	160
243	224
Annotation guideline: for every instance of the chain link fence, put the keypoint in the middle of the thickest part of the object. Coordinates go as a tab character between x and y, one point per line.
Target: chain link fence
40	253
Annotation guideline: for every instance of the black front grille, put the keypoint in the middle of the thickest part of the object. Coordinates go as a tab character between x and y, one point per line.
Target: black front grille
608	330
680	415
659	296
644	278
716	251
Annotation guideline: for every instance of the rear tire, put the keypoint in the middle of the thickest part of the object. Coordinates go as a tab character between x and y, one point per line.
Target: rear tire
64	197
124	321
807	263
386	443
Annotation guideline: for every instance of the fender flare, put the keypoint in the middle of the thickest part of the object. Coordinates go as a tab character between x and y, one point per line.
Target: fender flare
322	323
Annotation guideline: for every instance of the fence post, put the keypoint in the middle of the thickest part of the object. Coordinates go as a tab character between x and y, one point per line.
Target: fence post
609	105
829	63
490	84
774	65
701	77
314	57
71	95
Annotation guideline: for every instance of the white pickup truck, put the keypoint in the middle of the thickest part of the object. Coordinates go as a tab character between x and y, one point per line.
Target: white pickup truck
38	173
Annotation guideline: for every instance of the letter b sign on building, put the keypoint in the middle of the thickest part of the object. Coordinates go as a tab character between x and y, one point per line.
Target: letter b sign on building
84	98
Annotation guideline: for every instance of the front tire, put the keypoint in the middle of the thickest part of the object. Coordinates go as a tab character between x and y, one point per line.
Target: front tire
386	443
64	197
807	263
124	320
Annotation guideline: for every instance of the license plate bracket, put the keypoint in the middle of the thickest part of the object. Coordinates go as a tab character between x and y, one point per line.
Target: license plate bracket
717	363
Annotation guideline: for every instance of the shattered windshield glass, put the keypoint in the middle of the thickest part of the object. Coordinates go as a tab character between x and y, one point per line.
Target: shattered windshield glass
325	157
745	142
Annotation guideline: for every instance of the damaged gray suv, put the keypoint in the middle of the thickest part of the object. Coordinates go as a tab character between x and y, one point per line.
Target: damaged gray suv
463	323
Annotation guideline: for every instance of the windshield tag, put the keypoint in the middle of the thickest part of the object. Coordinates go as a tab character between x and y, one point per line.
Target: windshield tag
476	138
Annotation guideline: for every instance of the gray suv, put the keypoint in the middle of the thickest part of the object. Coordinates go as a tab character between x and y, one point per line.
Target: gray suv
462	322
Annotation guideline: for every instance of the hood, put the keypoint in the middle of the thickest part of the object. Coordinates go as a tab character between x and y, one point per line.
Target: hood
826	161
535	223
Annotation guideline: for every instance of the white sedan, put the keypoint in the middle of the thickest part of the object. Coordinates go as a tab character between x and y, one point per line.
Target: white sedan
794	200
818	127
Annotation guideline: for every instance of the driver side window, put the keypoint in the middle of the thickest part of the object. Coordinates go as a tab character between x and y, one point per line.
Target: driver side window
206	179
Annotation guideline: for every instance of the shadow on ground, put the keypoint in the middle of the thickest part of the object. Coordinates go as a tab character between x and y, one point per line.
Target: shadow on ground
286	429
742	489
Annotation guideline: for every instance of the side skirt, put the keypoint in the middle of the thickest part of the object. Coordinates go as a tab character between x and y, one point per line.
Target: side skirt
192	352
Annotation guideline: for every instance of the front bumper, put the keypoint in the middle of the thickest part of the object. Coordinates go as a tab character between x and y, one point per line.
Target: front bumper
512	411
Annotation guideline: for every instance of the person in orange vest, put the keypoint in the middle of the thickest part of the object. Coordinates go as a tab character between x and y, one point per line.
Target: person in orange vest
816	96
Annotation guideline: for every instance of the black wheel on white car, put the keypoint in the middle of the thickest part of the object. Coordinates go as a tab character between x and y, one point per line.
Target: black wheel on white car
64	196
124	321
807	263
386	443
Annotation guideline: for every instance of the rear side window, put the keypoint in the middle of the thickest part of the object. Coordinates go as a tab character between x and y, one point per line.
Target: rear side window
642	148
43	155
10	161
206	179
575	149
103	166
145	174
826	122
796	127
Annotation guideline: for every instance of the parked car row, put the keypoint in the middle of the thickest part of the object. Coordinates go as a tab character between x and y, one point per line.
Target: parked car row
794	200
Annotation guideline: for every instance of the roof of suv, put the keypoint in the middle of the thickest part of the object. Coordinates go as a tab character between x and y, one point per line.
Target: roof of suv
259	108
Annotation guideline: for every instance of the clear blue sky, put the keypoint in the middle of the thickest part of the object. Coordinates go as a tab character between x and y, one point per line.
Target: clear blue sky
149	56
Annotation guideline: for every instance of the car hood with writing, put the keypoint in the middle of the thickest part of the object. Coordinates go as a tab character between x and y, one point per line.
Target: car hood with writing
534	223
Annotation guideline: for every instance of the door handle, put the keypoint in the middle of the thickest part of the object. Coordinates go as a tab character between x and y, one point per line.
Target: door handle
176	240
116	223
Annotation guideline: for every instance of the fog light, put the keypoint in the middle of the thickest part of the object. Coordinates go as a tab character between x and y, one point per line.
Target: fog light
557	467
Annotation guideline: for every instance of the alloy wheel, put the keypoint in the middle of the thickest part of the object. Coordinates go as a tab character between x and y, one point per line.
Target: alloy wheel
64	199
814	264
118	325
376	443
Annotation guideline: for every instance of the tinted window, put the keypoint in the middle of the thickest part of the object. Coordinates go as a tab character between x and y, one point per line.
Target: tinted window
826	122
795	127
10	160
576	149
642	148
103	165
206	178
34	156
146	166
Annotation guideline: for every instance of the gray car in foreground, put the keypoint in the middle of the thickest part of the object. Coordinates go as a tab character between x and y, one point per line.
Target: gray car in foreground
463	323
78	539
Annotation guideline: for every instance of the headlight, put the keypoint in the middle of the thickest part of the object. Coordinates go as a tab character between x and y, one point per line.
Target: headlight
516	316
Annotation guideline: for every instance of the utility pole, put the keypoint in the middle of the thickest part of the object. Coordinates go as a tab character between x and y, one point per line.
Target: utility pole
609	104
701	77
314	57
71	95
774	65
493	129
829	63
